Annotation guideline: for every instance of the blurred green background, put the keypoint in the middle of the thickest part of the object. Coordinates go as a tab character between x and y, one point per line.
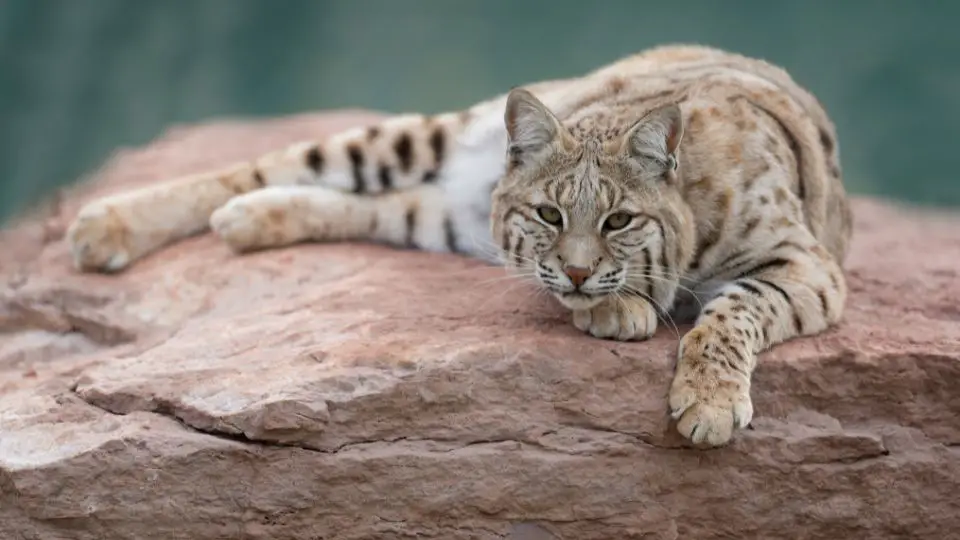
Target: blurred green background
80	77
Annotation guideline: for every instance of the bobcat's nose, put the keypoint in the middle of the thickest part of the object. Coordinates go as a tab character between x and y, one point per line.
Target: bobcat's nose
577	274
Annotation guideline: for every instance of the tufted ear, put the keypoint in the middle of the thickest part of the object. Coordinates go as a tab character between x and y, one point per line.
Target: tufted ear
531	127
656	136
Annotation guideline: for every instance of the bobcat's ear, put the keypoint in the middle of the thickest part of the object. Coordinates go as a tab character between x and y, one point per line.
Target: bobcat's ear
531	128
656	137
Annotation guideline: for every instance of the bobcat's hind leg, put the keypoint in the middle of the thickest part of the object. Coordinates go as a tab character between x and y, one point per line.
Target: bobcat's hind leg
420	218
401	152
110	233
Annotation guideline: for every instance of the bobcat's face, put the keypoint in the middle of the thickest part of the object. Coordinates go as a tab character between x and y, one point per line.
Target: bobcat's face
586	216
587	237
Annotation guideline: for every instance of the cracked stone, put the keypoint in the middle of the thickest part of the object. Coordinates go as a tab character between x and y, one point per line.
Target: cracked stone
358	392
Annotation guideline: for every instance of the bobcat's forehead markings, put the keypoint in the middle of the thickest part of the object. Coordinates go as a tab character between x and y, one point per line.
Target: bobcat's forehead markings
680	177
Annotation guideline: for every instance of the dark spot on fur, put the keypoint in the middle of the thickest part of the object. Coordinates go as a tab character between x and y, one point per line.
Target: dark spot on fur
749	227
797	323
518	252
437	144
772	264
410	220
404	149
752	289
826	141
450	235
824	306
386	178
355	154
315	160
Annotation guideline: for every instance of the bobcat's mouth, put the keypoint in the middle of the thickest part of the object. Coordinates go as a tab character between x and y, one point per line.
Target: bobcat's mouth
579	299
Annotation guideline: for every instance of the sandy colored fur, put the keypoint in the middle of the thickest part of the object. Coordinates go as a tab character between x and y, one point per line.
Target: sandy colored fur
745	218
728	170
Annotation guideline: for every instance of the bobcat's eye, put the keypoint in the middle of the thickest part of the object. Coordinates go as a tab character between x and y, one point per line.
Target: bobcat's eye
551	215
617	221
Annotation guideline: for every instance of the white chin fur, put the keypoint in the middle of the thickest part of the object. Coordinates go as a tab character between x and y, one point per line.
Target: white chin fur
579	302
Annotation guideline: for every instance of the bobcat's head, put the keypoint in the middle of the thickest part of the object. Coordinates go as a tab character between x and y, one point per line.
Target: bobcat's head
592	216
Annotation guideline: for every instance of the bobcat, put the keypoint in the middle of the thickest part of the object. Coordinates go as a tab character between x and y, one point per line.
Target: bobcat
683	174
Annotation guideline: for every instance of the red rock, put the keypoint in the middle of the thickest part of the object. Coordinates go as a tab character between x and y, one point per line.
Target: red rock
360	392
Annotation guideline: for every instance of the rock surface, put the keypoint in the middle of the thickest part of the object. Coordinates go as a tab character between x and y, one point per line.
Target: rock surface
356	392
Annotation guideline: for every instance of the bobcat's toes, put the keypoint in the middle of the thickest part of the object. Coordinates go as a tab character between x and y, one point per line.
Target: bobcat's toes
248	224
237	225
621	319
709	403
99	240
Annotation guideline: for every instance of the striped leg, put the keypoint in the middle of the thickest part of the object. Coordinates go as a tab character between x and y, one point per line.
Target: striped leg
418	218
797	290
402	152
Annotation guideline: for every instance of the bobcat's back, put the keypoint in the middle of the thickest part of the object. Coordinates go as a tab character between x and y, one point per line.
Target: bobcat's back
737	111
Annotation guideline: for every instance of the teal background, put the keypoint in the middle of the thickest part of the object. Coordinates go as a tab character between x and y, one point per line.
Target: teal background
80	77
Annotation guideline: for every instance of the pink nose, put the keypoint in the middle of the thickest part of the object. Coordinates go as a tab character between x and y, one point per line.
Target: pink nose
577	274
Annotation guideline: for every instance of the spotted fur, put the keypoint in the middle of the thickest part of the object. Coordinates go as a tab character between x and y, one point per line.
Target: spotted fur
681	177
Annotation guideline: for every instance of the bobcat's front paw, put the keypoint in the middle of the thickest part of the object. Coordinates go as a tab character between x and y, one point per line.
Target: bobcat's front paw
623	318
98	239
710	393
